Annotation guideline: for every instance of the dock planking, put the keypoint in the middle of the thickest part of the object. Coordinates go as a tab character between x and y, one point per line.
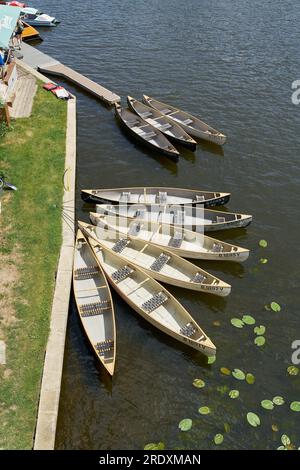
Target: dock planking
47	65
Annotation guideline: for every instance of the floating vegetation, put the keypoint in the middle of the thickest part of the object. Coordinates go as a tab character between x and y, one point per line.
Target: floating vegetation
226	427
199	383
223	389
263	260
275	307
248	319
204	410
250	379
263	243
260	330
216	323
253	419
260	341
225	371
218	439
278	401
211	359
237	322
293	370
238	374
275	428
295	406
185	424
155	446
234	393
267	404
286	441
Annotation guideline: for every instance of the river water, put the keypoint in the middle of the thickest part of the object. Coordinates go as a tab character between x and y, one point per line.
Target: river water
231	62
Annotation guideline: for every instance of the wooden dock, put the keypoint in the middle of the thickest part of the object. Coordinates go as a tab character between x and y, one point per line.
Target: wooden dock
47	65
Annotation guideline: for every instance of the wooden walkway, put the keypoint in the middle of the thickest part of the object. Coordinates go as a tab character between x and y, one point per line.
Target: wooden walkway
47	65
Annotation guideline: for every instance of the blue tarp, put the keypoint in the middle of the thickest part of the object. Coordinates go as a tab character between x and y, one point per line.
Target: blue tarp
8	20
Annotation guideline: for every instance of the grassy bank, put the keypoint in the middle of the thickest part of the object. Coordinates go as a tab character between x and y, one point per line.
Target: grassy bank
32	154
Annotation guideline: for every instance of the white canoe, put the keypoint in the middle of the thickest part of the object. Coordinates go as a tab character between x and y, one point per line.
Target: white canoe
176	239
163	266
94	303
151	300
192	125
193	218
155	195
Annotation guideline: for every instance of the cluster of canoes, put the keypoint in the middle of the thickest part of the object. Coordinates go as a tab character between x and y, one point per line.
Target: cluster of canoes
159	126
137	239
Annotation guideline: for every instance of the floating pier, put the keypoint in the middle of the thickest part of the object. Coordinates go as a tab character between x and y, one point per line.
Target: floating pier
47	65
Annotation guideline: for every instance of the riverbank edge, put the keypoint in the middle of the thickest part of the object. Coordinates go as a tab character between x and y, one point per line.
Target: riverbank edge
45	432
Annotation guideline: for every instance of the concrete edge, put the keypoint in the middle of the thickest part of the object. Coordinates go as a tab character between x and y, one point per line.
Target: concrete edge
44	438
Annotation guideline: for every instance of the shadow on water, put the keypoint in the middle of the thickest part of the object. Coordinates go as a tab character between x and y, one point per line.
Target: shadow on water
210	147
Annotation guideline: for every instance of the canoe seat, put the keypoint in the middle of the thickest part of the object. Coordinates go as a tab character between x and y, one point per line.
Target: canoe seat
104	346
121	274
164	127
156	301
134	228
138	214
133	123
162	197
125	196
198	278
220	220
120	245
158	264
166	111
199	198
176	241
189	329
86	272
179	217
187	121
96	308
217	248
149	135
146	114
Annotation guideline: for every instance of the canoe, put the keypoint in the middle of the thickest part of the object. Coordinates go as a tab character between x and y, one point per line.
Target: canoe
178	240
193	218
192	125
169	128
29	33
155	195
151	300
94	303
163	266
145	133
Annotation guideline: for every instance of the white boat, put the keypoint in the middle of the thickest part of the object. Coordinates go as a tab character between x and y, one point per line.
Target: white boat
34	17
151	300
94	303
193	218
163	266
192	125
182	242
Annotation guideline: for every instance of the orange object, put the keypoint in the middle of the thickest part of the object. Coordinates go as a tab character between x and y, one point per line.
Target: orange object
29	33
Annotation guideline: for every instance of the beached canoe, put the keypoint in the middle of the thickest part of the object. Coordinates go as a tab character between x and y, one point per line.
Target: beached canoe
169	128
193	218
94	303
176	239
162	265
155	195
151	300
192	125
145	133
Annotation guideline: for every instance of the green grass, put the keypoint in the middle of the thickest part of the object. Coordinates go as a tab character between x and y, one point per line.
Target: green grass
32	154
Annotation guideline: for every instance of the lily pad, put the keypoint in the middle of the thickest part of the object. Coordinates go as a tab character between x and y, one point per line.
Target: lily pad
211	359
237	322
218	439
260	340
238	374
204	410
248	319
263	243
275	428
278	400
226	427
275	307
281	448
285	440
225	371
260	330
267	404
295	406
223	389
216	323
199	383
185	424
253	419
250	379
267	307
234	393
293	370
155	446
263	260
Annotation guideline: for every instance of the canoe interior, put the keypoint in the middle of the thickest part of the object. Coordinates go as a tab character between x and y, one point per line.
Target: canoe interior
91	290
